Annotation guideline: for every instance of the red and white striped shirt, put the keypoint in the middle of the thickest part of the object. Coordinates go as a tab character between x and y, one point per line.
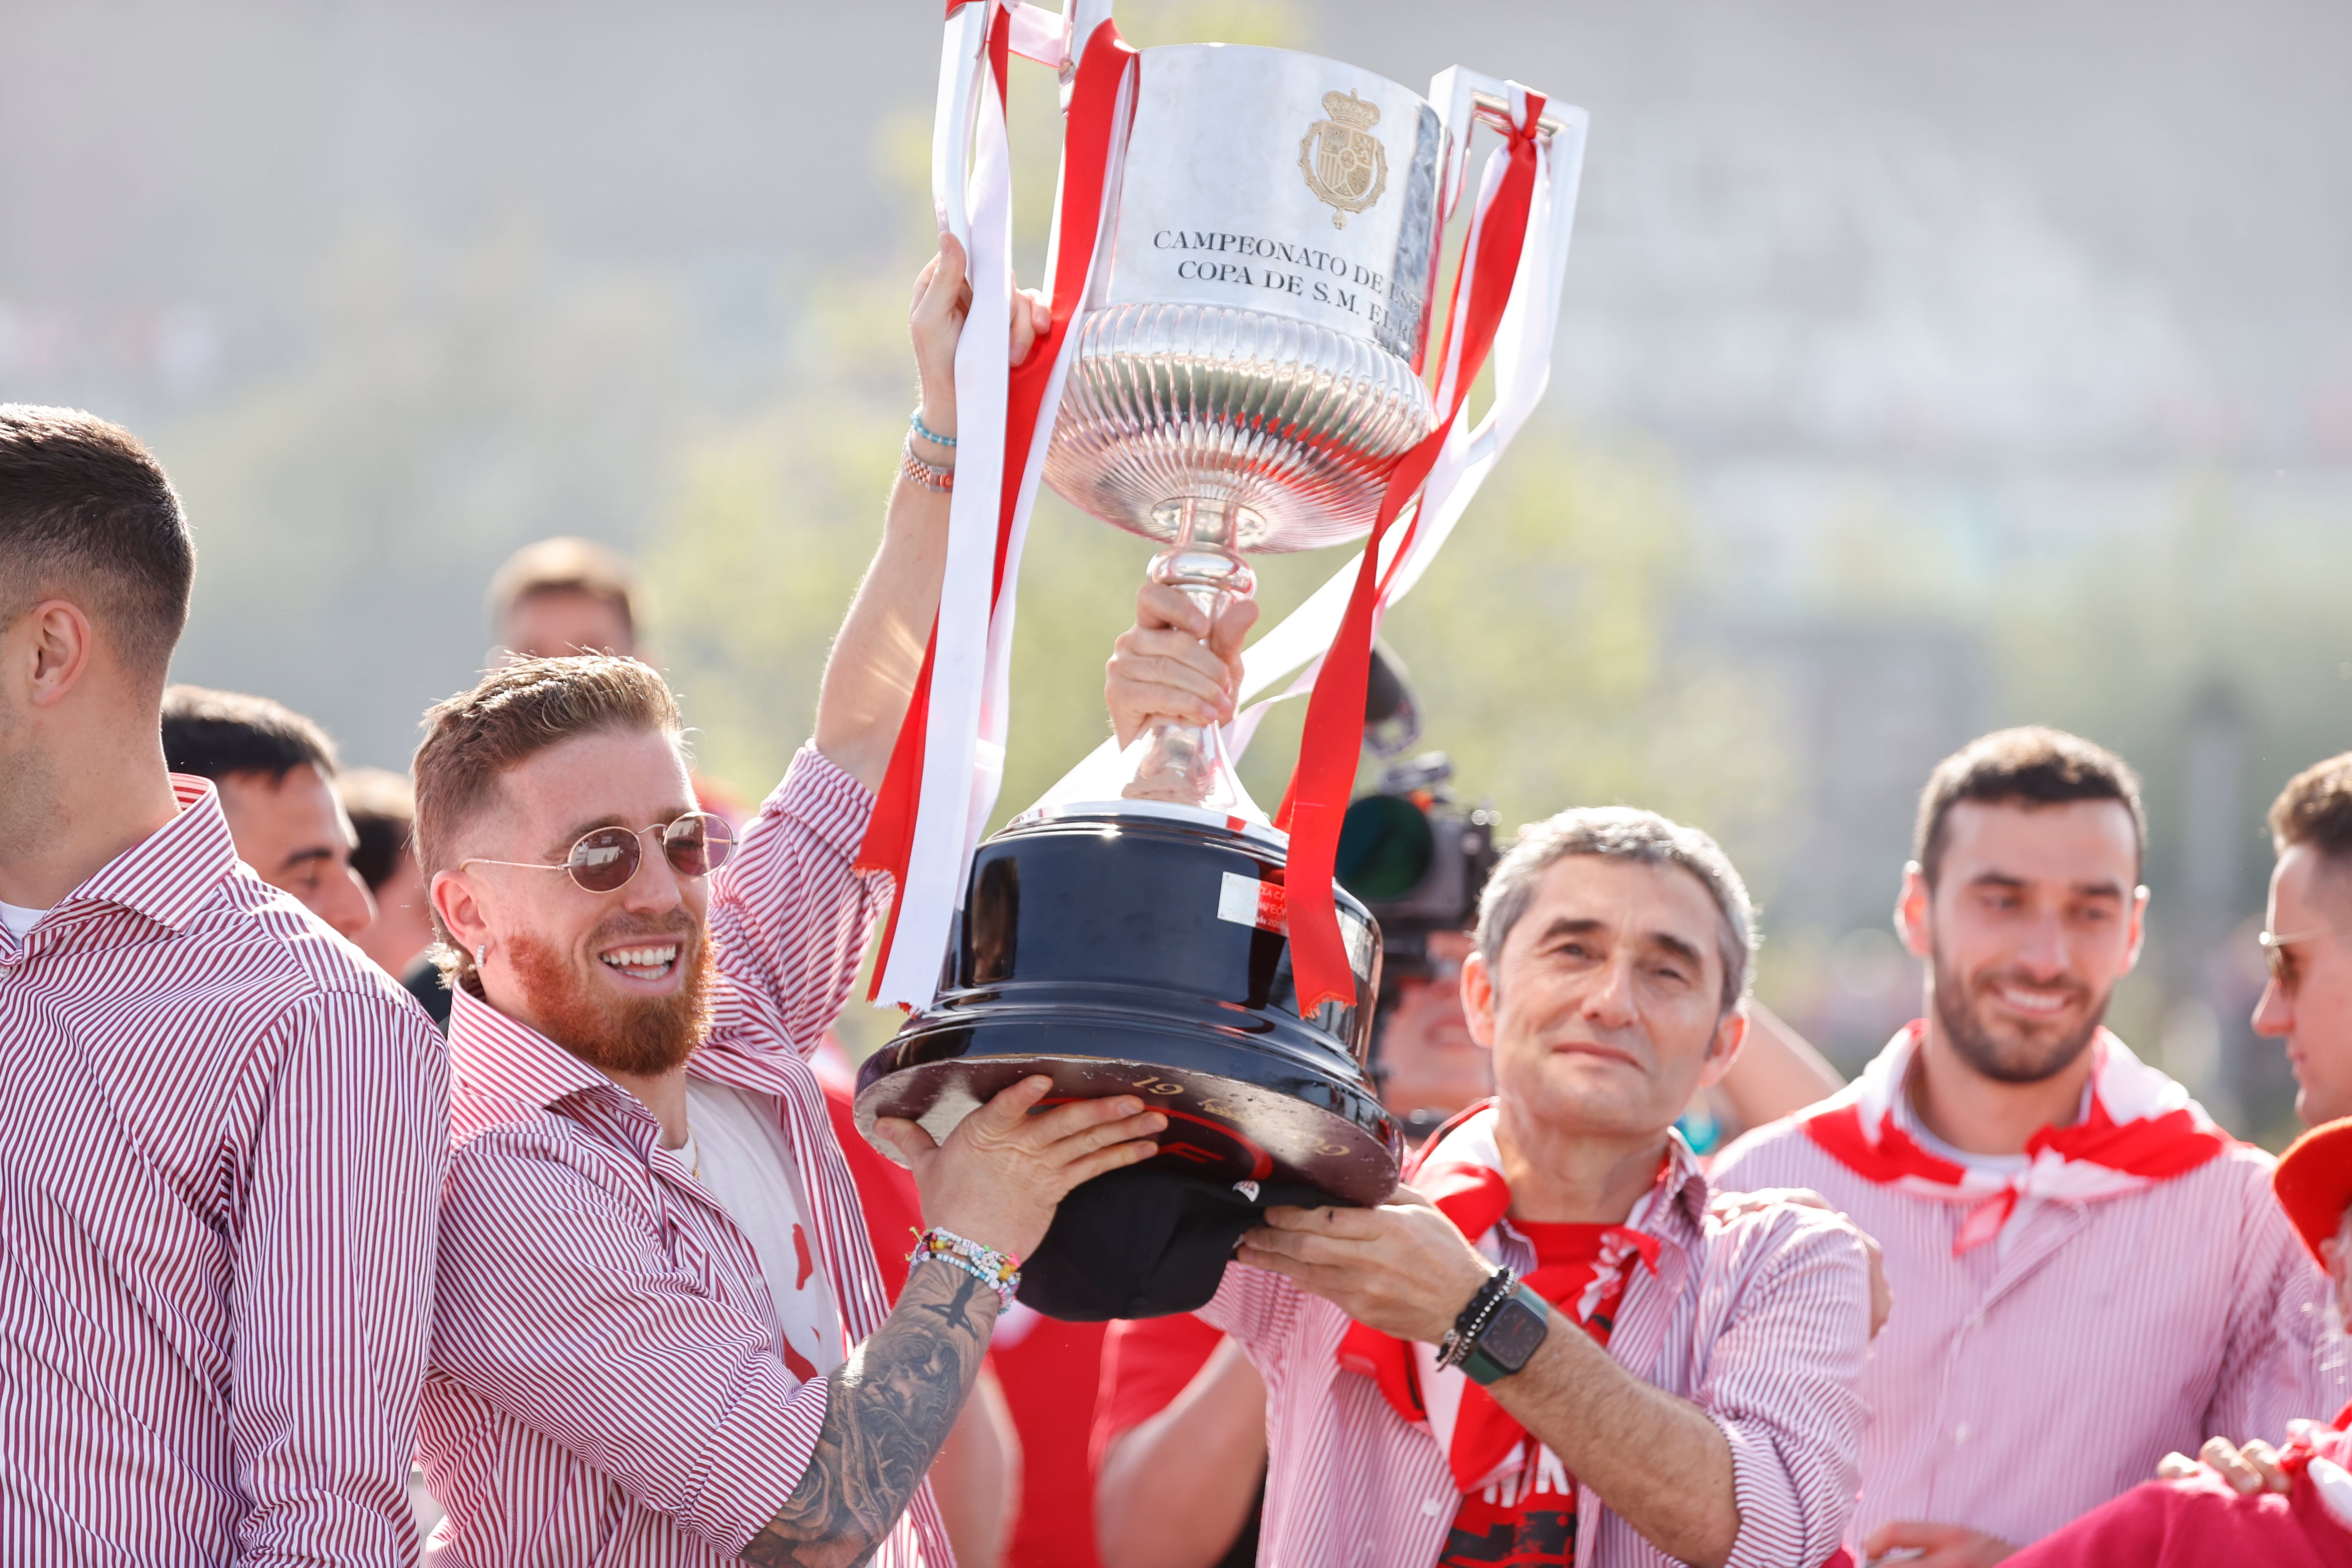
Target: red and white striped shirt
609	1383
1761	1320
2017	1387
222	1136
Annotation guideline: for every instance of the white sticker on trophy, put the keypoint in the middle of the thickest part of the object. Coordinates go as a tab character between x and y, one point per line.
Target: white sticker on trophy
1247	902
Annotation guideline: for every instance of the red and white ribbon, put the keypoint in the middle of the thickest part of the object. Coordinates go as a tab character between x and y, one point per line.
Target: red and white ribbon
2140	1127
949	762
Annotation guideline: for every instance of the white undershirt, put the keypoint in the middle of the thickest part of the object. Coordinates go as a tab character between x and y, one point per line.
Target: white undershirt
19	919
746	1163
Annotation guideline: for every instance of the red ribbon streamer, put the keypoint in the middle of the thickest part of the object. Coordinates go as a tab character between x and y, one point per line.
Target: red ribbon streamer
1317	797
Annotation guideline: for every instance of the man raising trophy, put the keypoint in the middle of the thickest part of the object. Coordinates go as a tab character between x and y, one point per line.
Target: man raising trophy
659	1335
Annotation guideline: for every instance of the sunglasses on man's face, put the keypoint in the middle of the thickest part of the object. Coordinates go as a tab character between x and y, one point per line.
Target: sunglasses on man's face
2281	961
604	860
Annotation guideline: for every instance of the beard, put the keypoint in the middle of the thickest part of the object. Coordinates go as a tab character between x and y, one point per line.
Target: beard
639	1037
2009	1052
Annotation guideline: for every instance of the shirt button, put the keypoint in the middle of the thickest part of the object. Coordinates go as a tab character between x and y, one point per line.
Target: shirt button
1430	1508
1961	1433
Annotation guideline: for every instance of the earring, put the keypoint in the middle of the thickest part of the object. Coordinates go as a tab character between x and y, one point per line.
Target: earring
481	954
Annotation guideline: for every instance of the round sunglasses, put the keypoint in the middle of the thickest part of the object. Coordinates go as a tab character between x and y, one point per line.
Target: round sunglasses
604	860
2279	960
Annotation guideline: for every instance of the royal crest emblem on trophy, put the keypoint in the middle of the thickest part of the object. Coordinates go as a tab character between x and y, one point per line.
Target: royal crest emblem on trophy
1344	162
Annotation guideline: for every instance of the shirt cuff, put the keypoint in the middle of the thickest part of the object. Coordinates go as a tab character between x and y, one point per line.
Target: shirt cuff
753	1464
1770	1502
832	806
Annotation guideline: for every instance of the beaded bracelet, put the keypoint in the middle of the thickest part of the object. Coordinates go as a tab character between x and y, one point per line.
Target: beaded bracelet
928	434
1463	1337
930	476
999	1271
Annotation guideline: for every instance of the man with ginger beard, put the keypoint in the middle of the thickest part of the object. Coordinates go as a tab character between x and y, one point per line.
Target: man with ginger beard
2086	1272
660	1335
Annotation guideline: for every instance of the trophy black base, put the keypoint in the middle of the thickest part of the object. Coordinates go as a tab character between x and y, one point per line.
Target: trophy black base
1132	948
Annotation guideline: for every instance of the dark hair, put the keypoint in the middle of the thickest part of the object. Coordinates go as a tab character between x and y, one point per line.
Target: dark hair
383	809
2030	766
512	715
566	565
213	734
2315	808
87	514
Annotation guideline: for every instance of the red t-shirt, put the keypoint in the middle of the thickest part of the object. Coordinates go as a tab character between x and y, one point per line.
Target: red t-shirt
1145	1365
1528	1520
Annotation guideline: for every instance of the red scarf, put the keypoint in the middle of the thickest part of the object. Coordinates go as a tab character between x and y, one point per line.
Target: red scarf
1460	1170
2141	1127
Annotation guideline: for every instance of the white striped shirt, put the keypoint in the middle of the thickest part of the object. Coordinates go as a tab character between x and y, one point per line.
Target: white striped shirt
2017	1387
1758	1319
608	1380
222	1135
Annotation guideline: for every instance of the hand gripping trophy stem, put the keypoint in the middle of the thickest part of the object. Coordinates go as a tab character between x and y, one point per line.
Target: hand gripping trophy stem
1177	760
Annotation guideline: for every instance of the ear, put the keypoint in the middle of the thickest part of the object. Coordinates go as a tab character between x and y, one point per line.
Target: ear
1914	913
1478	999
1730	1036
458	899
47	651
2138	928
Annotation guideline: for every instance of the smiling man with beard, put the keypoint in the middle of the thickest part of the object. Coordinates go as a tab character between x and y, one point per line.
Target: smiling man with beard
2087	1272
660	1336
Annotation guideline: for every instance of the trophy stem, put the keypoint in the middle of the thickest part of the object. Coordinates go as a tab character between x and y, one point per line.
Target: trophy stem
1175	761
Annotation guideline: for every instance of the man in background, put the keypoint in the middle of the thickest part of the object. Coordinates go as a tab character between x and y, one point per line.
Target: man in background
2308	945
223	1132
561	596
2084	1265
383	809
274	772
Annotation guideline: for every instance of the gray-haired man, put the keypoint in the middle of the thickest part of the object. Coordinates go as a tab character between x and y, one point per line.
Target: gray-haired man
1423	1409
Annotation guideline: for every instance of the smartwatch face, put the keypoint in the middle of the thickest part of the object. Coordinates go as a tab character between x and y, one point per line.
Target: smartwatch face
1513	1336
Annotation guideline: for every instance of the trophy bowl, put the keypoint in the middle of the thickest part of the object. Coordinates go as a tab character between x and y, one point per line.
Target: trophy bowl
1247	368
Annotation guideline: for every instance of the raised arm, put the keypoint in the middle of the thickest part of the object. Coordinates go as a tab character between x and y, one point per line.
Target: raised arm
872	670
790	916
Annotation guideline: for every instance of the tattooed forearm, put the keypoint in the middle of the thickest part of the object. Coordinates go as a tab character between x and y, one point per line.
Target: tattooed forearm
890	1407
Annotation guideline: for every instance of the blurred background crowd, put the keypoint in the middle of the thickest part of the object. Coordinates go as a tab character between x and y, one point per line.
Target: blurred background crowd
1923	370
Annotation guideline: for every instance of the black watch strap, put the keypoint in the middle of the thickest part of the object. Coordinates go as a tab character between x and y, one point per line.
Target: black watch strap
1506	1341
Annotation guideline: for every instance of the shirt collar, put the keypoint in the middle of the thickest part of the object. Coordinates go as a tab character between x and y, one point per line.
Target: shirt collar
169	875
492	1053
1682	1185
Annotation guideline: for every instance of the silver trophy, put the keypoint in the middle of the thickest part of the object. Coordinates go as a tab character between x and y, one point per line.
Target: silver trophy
1248	367
1250	361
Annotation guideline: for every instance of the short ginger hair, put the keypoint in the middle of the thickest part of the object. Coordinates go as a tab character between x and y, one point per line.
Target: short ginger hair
2315	808
515	712
2030	766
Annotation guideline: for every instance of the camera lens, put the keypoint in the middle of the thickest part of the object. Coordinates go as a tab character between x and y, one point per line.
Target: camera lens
1386	848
